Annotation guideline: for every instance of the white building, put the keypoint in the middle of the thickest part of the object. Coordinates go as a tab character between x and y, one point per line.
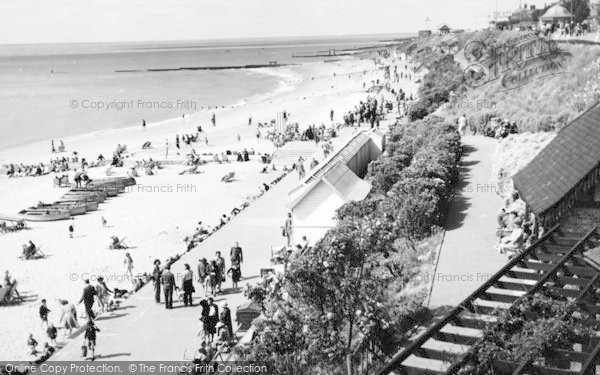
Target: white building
338	180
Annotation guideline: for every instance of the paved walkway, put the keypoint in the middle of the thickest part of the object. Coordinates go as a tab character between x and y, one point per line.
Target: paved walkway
142	330
467	258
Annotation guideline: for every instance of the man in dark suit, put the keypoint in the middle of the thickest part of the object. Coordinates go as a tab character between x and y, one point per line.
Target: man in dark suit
156	280
167	279
88	296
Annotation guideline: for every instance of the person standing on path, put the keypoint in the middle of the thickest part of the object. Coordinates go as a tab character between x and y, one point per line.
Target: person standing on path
220	261
156	273
462	125
168	282
128	264
68	317
202	273
287	229
225	318
88	297
90	337
212	319
188	285
236	256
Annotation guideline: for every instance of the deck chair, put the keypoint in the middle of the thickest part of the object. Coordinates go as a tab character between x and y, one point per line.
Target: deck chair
32	254
229	177
6	294
3	294
118	243
147	145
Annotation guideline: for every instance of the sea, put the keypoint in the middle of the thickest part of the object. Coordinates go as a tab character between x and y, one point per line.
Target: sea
48	91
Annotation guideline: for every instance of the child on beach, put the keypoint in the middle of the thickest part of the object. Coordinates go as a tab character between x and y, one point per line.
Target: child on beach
52	333
32	344
128	263
44	310
90	337
71	228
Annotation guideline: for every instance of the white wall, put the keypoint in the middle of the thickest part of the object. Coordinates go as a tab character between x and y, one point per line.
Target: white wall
313	215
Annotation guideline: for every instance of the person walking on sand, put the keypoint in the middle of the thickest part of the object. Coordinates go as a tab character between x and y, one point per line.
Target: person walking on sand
52	144
167	279
52	333
213	119
90	338
128	263
236	256
249	120
103	222
88	297
238	137
68	317
156	280
72	228
143	124
331	115
206	140
44	310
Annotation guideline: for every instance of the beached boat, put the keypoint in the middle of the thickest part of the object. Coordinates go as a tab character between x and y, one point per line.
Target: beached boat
47	215
98	196
74	208
81	199
111	191
89	205
117	181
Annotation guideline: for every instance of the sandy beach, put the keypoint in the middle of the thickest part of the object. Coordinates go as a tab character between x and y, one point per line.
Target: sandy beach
156	214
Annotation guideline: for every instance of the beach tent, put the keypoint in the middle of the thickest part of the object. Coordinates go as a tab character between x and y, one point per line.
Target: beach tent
556	13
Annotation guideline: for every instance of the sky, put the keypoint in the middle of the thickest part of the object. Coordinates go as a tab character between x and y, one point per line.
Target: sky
83	21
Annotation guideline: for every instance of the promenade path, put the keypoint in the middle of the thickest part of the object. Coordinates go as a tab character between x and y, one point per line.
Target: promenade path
143	330
467	257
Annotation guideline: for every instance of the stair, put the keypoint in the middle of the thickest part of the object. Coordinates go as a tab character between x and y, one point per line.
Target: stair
551	263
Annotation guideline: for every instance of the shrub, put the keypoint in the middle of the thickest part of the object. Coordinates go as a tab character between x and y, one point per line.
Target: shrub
534	328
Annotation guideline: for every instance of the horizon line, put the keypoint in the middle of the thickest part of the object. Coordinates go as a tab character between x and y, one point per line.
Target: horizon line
208	40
